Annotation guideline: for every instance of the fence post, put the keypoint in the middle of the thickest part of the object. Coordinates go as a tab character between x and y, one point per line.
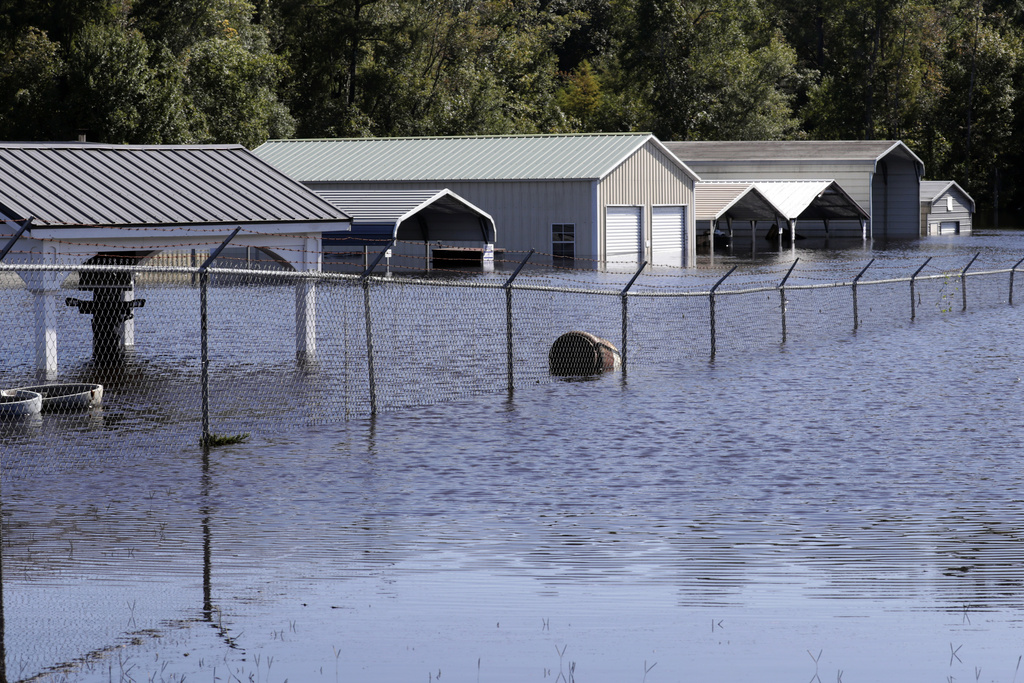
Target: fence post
963	280
369	325
1012	271
711	296
625	314
782	297
913	304
509	350
859	275
204	337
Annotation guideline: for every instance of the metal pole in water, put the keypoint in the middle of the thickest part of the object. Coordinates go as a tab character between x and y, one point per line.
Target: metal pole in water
859	275
1012	271
625	312
204	283
782	297
913	308
508	324
369	325
711	295
963	279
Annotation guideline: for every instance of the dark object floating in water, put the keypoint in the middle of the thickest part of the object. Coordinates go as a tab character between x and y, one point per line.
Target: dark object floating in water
16	403
581	353
67	396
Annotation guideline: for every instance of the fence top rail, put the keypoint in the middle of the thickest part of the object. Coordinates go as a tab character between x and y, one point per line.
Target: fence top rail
521	285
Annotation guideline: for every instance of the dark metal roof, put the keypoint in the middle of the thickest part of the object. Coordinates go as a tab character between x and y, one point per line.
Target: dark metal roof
410	214
823	151
73	184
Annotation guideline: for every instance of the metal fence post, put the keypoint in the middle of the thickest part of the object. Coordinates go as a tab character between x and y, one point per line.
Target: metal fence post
625	315
856	322
963	280
509	349
369	326
711	296
204	337
1012	272
782	297
913	303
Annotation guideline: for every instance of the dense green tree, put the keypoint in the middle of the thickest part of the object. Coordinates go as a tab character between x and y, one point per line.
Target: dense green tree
31	72
708	70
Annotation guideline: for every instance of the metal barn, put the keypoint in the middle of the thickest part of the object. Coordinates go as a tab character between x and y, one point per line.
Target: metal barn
881	176
607	199
946	208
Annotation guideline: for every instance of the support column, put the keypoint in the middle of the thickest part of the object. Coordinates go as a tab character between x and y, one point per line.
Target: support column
128	326
305	302
45	286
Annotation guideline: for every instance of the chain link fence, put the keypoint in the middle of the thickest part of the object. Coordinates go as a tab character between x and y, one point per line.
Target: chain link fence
187	355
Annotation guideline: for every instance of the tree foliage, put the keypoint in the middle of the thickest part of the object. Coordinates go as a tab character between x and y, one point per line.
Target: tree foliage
946	76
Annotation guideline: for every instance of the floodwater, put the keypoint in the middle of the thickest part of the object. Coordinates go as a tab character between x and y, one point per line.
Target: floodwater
849	509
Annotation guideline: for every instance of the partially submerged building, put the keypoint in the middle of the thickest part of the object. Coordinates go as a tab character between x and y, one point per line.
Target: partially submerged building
946	208
602	199
73	204
883	177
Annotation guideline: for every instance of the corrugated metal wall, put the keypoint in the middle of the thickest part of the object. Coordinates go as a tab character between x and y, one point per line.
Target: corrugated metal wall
523	211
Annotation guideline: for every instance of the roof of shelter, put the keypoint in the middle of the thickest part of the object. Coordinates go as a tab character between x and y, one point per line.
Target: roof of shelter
378	214
739	201
447	159
802	199
932	190
69	184
868	151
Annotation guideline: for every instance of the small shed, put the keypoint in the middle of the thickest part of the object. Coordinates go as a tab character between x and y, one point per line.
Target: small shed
417	220
946	208
83	203
606	200
882	176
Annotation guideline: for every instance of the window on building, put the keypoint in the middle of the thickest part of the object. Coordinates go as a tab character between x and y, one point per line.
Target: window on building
949	203
563	240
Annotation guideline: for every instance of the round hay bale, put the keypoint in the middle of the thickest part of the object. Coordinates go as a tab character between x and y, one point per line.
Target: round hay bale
581	353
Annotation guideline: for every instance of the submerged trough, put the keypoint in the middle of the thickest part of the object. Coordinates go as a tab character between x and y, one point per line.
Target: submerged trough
60	397
15	403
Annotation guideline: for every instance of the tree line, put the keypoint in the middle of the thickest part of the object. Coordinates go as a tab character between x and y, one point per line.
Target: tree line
944	76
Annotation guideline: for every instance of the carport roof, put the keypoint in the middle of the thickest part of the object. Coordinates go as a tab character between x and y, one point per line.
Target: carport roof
378	214
738	201
447	159
801	199
73	184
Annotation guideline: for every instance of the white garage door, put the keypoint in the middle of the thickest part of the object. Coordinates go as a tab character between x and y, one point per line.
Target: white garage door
668	235
949	227
623	237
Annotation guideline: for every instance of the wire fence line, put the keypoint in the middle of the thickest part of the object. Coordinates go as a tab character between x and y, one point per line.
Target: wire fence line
210	351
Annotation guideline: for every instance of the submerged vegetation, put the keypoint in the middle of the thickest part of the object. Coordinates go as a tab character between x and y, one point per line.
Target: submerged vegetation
945	76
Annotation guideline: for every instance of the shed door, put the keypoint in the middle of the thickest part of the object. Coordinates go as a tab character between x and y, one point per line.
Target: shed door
623	237
668	233
949	227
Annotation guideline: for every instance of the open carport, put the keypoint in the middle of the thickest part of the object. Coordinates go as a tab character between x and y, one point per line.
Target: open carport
437	226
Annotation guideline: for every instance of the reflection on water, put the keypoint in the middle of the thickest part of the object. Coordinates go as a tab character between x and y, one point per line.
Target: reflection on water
851	506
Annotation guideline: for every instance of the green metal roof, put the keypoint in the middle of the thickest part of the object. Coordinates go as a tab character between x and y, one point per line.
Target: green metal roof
448	159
